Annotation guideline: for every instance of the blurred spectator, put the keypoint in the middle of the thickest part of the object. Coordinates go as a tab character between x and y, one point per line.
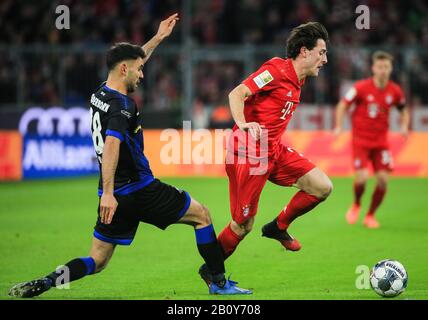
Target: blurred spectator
213	21
68	79
221	118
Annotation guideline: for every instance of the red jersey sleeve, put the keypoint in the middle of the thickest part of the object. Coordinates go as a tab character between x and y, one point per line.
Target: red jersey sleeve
266	78
352	95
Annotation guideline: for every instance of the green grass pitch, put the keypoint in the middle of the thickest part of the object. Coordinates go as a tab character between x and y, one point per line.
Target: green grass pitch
46	223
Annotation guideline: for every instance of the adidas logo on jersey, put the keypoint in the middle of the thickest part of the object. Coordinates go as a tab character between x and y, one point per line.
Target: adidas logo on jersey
289	94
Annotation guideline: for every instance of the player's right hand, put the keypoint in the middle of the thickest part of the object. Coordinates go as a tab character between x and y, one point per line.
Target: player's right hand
108	205
337	131
166	26
254	128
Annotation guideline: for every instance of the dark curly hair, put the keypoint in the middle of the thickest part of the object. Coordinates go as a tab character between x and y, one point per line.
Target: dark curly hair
305	35
123	51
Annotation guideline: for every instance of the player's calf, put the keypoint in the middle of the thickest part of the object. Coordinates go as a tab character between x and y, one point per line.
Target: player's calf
101	253
206	240
233	234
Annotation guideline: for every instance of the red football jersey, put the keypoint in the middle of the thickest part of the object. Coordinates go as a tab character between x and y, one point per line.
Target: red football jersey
370	118
276	94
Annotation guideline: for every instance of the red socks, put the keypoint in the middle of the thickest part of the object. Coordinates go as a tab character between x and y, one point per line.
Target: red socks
377	198
301	203
358	192
228	241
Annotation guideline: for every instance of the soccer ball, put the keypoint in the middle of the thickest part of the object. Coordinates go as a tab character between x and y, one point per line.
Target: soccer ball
388	278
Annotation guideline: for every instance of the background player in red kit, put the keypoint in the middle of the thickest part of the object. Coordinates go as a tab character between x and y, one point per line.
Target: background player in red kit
262	105
373	98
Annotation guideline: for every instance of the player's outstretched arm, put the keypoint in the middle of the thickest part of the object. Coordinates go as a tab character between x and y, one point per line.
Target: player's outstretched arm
236	102
165	29
108	203
340	114
404	120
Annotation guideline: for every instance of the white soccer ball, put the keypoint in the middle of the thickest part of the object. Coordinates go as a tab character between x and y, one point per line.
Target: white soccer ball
388	278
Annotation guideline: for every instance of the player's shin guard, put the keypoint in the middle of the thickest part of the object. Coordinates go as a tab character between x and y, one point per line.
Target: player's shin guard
210	251
228	240
301	203
358	192
377	199
72	270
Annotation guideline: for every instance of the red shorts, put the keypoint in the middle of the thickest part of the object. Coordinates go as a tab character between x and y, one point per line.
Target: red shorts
246	180
380	158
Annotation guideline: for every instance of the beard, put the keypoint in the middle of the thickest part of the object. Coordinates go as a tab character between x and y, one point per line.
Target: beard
130	87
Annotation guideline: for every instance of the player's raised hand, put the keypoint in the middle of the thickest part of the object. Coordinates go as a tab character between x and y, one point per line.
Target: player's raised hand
254	128
108	205
166	26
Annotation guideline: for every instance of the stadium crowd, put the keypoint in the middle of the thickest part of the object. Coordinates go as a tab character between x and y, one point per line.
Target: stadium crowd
393	24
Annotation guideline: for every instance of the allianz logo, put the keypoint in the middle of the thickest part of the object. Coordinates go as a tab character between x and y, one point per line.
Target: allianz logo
57	120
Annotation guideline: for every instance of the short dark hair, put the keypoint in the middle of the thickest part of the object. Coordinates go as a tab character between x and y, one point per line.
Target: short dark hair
123	51
305	35
382	55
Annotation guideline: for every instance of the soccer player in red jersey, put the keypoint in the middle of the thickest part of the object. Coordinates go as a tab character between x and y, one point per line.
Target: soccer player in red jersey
373	98
262	106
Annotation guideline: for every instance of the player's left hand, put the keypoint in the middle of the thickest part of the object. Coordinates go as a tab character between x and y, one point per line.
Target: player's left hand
166	26
108	206
404	132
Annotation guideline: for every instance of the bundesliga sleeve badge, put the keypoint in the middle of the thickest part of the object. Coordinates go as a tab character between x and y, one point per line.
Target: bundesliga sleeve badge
263	79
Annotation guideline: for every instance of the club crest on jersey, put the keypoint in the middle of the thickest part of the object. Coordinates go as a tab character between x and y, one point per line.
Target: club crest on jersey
263	79
370	97
246	210
388	99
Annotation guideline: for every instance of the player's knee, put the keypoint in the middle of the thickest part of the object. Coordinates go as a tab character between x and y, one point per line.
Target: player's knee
325	189
361	177
242	229
382	182
361	180
247	229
